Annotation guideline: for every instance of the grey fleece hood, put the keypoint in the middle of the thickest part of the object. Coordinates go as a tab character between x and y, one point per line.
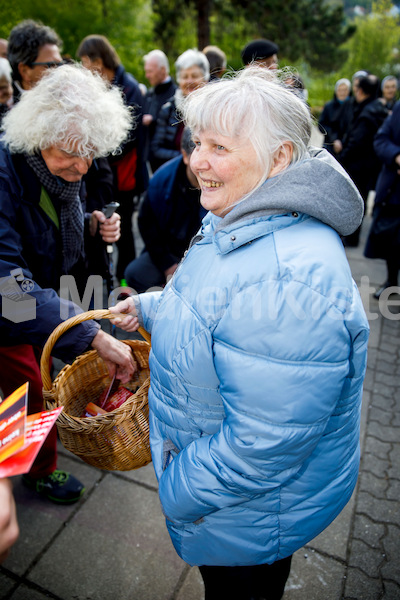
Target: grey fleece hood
317	186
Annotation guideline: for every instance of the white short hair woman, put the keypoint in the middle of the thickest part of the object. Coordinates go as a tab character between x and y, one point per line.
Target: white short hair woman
192	71
259	344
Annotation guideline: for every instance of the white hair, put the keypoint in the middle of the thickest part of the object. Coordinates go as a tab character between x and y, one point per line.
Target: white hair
252	104
192	58
71	106
5	70
343	81
159	56
389	78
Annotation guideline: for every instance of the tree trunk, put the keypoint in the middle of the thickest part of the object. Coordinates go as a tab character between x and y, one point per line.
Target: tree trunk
203	22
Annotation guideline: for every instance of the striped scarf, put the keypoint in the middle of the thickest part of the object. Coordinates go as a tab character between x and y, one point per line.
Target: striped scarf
71	214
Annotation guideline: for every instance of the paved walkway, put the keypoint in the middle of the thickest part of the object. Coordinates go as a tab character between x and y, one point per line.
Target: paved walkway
113	544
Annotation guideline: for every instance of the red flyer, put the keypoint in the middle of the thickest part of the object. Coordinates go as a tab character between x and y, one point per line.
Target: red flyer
21	435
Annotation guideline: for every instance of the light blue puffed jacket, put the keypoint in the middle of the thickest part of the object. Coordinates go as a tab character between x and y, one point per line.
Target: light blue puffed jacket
258	356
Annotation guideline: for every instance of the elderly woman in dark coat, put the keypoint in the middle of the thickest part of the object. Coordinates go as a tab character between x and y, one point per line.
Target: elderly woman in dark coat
192	71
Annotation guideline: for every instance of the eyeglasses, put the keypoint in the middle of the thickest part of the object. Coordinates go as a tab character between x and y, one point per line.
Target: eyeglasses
48	65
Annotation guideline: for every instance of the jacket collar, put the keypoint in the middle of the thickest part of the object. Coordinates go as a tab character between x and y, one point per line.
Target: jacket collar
234	235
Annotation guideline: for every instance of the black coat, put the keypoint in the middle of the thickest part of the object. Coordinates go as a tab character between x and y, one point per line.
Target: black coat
358	156
166	143
334	121
384	238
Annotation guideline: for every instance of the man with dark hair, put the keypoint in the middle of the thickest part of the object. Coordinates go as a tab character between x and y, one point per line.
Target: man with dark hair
358	156
169	217
32	48
263	52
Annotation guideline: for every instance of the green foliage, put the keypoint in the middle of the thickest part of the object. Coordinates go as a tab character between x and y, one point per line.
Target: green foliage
310	30
310	33
373	45
126	23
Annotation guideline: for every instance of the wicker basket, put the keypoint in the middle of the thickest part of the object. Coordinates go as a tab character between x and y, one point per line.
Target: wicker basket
117	441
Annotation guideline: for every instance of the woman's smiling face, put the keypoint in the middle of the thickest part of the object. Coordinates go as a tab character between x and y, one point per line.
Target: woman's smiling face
226	168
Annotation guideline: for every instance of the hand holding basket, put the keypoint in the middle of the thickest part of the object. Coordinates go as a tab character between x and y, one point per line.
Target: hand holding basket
118	440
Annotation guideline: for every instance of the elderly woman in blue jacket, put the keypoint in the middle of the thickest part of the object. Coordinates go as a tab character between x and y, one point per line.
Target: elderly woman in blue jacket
259	344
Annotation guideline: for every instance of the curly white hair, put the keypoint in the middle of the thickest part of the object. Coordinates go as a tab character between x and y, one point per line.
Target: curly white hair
69	107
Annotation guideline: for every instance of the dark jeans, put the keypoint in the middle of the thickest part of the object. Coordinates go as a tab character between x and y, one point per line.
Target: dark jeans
125	244
258	582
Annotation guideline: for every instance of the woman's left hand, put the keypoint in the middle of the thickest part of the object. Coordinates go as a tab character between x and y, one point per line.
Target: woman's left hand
110	229
130	323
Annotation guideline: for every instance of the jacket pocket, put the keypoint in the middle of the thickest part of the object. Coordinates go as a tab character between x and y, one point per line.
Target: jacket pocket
169	453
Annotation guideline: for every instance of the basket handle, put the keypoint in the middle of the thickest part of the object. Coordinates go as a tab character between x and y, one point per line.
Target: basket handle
63	327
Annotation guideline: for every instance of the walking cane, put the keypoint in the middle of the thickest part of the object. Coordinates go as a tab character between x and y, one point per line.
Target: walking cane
108	210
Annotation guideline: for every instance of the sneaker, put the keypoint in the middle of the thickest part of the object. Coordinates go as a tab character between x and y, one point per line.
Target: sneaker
59	486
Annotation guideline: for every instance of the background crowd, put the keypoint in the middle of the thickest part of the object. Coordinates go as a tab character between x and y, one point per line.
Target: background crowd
147	168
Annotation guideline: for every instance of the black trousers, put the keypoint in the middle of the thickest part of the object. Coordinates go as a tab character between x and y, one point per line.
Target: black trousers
126	243
258	582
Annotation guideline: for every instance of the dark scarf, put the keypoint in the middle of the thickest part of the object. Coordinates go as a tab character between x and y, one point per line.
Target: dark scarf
71	214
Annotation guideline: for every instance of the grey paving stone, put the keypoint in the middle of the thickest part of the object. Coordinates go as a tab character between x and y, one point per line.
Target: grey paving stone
112	547
393	492
333	541
386	367
396	400
39	519
26	593
368	531
372	357
387	434
391	568
375	465
359	586
384	511
369	381
144	475
391	381
391	591
377	486
396	419
382	416
394	457
383	403
365	558
385	356
379	449
192	587
314	577
6	584
389	347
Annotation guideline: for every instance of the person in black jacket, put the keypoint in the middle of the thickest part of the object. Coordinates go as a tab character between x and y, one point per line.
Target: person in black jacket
169	217
357	155
333	122
50	139
97	54
384	236
192	71
156	70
